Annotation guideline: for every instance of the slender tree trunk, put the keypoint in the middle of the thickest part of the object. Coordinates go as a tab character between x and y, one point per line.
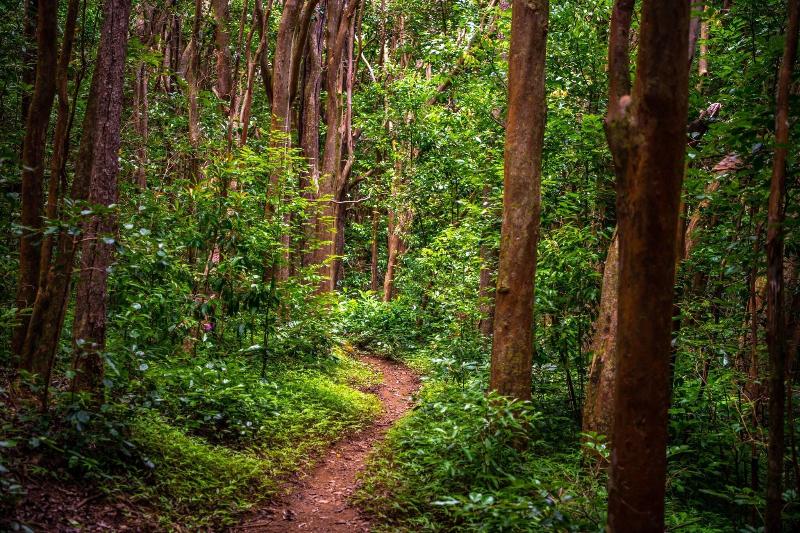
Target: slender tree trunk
330	181
702	60
599	403
193	87
373	262
695	23
309	125
282	70
299	46
253	61
598	406
281	128
29	55
60	139
140	102
393	246
89	329
512	351
488	255
96	163
648	202
224	86
348	144
33	165
776	325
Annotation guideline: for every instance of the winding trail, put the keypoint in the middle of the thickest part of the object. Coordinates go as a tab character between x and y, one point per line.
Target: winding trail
318	500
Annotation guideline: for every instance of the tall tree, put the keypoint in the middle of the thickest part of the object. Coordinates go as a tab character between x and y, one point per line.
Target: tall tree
512	351
598	405
193	88
654	122
57	184
776	324
33	165
100	148
140	98
331	185
224	85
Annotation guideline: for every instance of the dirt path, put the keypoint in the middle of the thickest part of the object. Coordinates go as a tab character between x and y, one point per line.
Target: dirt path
318	501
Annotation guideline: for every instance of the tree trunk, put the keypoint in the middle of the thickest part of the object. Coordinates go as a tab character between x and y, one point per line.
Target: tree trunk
60	139
309	124
394	245
140	103
598	413
648	202
28	56
192	82
33	166
776	325
330	181
282	70
373	262
261	21
598	407
512	351
102	130
599	403
224	86
697	8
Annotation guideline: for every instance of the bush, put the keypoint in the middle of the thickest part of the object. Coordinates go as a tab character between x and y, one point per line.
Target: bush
454	464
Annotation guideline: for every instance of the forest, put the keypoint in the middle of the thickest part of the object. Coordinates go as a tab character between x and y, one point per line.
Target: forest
399	265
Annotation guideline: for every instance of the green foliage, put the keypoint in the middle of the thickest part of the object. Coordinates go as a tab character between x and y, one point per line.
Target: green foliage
190	481
225	401
454	463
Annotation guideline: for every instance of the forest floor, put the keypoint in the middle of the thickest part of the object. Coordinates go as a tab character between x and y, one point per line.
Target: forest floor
318	501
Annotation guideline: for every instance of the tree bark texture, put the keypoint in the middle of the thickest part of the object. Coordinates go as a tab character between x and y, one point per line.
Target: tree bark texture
512	350
648	208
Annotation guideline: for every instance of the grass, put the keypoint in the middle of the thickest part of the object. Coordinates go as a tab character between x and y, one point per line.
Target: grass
213	439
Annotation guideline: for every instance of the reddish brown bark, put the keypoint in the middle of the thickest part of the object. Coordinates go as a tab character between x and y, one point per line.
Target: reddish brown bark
697	8
89	328
598	413
33	148
702	60
193	83
397	222
512	350
648	202
60	139
299	46
373	262
310	115
95	161
776	325
348	148
260	20
140	97
598	406
331	184
224	86
309	124
282	68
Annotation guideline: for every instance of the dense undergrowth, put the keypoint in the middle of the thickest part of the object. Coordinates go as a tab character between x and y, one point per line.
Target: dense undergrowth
452	464
200	443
